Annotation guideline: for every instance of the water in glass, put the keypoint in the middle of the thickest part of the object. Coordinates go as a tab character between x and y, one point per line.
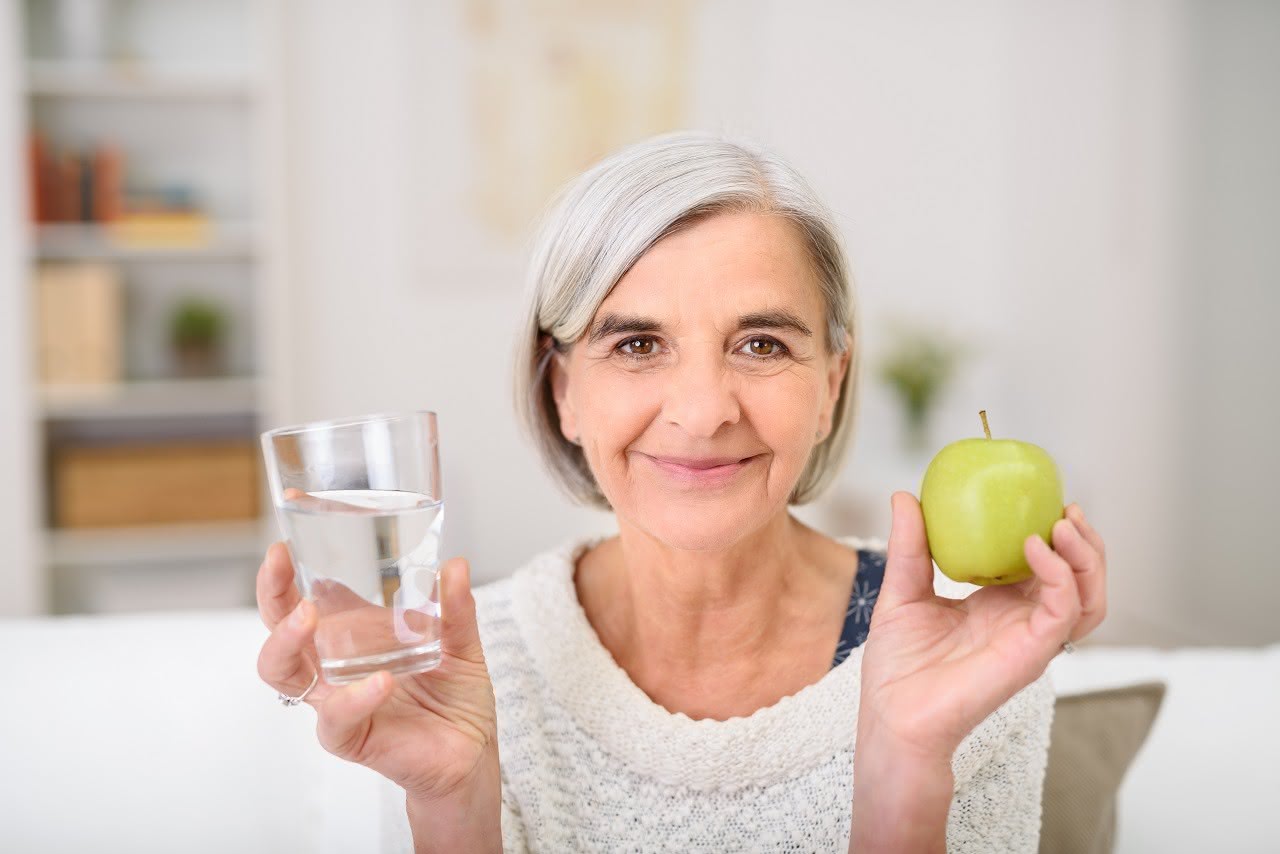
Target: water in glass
369	559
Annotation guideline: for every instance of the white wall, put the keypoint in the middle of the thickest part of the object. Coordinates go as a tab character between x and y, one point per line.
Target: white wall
1015	169
1228	307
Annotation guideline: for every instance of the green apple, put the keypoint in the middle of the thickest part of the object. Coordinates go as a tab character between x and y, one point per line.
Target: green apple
981	499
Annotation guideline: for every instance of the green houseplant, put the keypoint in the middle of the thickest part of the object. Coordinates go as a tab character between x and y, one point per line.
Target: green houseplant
919	362
196	333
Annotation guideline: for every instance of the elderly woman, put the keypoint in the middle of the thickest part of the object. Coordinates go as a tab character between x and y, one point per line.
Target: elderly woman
707	679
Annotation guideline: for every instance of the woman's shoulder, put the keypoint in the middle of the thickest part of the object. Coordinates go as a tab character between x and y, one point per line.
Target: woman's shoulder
538	585
550	566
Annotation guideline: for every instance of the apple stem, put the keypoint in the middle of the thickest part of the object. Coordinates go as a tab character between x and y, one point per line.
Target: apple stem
985	427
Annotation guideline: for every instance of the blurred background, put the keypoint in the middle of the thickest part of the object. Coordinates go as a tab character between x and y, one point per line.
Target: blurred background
221	216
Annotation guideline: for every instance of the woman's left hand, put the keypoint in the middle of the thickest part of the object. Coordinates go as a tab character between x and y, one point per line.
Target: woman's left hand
934	668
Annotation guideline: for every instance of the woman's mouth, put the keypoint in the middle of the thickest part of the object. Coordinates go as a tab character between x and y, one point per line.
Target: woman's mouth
696	476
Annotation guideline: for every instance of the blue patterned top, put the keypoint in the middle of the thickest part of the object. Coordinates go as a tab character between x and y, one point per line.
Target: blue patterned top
866	588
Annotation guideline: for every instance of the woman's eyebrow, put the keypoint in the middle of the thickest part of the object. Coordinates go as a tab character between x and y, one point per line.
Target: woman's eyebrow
614	324
778	318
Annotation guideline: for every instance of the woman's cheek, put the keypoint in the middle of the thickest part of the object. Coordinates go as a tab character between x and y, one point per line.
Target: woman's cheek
784	410
618	410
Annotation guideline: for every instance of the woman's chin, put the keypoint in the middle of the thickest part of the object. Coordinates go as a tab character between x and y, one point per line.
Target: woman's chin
704	528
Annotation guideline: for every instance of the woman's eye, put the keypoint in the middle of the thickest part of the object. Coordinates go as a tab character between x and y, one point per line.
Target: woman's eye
645	349
764	347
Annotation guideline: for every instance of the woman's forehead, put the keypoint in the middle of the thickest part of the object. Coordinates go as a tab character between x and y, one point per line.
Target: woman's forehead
728	265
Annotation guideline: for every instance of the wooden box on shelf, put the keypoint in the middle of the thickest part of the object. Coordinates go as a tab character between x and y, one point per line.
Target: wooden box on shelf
79	318
142	484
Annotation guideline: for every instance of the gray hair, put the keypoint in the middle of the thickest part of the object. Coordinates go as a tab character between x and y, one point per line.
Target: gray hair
599	225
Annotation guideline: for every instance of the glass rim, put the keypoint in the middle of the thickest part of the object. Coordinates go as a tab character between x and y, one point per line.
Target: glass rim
346	421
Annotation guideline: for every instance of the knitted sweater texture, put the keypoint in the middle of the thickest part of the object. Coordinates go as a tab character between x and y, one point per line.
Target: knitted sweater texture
590	763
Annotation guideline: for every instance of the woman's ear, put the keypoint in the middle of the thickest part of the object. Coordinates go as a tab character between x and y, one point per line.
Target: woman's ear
560	391
835	376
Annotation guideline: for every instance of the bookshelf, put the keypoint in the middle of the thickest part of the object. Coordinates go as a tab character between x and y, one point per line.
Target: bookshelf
161	136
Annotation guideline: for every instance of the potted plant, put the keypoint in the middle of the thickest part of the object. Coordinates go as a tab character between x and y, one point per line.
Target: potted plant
197	331
919	363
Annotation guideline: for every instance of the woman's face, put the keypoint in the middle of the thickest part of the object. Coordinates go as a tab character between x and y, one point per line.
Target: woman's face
711	348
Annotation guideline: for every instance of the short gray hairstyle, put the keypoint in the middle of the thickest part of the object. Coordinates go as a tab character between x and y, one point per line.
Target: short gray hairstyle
599	225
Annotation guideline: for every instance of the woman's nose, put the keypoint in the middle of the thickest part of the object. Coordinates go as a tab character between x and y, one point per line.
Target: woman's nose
701	395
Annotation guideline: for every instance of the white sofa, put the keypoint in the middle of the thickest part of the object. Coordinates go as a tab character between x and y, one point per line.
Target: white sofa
152	733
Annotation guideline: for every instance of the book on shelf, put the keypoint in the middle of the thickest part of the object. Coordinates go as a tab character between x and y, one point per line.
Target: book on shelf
71	185
79	323
88	186
68	190
161	229
107	183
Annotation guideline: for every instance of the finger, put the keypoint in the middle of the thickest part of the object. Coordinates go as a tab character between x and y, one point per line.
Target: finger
1058	607
331	596
277	594
459	631
908	572
1086	564
283	663
345	716
1076	515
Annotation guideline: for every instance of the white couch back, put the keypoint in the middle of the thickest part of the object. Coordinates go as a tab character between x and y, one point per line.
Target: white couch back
153	733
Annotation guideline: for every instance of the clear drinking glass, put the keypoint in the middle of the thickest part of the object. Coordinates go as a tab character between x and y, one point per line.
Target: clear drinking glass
360	504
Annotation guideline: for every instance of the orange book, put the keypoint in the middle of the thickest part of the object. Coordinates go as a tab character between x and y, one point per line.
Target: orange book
108	183
69	198
39	177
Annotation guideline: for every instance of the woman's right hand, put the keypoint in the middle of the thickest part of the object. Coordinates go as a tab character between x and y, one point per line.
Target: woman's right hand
434	733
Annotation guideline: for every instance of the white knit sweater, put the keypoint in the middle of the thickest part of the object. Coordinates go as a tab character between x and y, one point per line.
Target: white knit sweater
590	763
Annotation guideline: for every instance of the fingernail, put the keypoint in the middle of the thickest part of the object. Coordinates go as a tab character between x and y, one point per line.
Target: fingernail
298	618
1078	522
373	685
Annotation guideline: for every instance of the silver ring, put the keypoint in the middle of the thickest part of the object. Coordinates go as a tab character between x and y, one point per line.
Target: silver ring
1068	647
293	701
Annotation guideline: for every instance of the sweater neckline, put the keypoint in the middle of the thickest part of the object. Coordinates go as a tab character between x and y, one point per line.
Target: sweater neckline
767	746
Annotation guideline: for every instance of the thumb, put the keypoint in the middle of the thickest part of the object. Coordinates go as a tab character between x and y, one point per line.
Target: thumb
908	571
459	633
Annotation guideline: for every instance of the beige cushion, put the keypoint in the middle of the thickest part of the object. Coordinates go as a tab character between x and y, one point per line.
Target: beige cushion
1094	739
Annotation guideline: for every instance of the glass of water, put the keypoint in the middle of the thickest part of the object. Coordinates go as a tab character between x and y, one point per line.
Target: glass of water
360	503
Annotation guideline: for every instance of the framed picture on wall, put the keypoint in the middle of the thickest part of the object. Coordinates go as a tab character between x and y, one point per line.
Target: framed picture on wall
521	95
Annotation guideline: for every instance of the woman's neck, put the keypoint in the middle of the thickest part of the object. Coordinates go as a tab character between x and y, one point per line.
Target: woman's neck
718	633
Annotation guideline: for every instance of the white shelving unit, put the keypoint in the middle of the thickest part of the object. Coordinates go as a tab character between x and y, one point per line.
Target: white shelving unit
152	399
71	241
163	543
198	100
73	80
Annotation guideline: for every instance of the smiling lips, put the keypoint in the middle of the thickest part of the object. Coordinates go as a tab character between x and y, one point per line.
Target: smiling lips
706	471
